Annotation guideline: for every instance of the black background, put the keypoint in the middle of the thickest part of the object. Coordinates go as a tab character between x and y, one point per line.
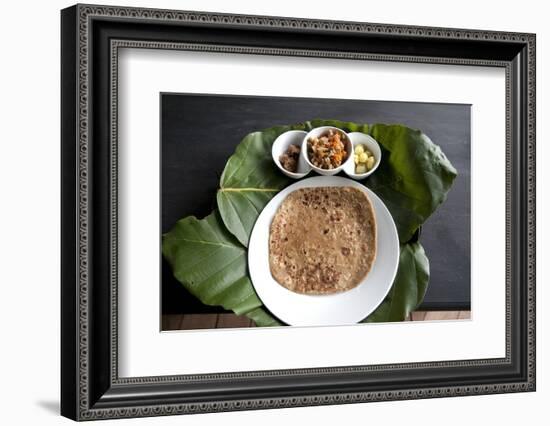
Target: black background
199	133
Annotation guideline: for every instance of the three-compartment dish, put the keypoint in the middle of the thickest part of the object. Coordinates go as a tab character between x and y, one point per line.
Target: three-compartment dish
326	150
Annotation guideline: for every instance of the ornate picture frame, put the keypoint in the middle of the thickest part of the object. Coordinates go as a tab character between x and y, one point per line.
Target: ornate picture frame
91	37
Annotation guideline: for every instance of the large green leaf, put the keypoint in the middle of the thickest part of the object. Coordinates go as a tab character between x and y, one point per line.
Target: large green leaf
211	264
249	181
409	286
414	176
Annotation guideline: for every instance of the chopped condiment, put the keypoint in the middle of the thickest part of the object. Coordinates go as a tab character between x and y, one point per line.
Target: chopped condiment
289	160
363	158
327	151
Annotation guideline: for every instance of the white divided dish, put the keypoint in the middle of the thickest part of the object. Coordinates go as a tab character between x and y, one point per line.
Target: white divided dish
343	308
300	138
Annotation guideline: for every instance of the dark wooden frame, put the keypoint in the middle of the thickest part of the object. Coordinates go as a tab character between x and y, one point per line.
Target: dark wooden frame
91	37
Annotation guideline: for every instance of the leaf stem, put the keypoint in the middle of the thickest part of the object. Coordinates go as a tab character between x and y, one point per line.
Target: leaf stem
249	189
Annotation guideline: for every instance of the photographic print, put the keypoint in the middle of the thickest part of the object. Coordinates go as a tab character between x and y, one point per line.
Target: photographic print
292	189
281	211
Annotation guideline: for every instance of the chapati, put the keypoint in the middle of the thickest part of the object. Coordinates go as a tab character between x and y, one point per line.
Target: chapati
322	240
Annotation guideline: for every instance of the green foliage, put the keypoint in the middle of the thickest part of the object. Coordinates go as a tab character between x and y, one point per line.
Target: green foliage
409	285
211	264
208	256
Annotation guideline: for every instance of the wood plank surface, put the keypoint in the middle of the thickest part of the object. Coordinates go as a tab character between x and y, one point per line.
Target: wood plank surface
441	315
198	321
209	321
234	321
171	322
418	316
464	315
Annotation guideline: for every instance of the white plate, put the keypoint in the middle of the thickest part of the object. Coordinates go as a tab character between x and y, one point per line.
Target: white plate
348	307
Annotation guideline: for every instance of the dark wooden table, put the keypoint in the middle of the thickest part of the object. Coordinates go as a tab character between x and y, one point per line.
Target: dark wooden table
201	129
226	320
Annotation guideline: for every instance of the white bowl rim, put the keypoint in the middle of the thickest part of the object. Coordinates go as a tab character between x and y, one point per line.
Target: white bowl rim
277	162
377	157
314	167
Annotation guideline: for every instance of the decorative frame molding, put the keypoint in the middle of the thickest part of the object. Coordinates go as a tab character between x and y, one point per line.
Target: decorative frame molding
91	388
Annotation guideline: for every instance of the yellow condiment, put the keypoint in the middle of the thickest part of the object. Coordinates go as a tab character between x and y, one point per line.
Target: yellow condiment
363	158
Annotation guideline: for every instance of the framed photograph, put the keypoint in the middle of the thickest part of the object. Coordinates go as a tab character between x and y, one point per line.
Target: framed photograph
263	212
